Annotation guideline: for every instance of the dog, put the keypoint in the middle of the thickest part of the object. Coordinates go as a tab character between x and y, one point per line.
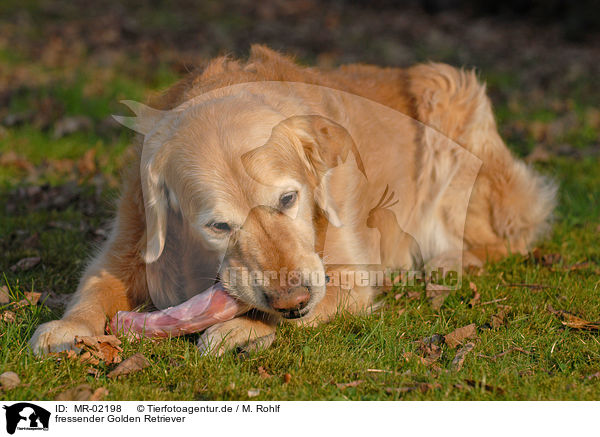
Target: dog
275	167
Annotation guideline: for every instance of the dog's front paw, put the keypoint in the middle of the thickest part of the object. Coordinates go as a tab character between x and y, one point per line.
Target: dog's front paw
56	336
240	332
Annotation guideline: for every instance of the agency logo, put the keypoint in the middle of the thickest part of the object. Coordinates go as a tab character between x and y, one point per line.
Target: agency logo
26	417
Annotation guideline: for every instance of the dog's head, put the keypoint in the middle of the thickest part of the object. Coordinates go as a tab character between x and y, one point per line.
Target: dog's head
251	183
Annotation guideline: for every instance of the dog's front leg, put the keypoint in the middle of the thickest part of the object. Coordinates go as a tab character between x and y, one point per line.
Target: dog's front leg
252	331
100	295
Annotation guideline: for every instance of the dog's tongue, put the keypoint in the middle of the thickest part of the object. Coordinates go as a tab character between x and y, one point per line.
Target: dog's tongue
211	306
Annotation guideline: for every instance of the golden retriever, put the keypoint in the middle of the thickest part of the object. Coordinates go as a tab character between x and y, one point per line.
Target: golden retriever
290	170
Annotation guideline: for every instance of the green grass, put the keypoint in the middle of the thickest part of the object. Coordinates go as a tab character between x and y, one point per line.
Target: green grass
560	359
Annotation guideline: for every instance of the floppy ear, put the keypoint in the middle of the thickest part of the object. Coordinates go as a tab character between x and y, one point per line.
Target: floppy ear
155	206
156	196
156	126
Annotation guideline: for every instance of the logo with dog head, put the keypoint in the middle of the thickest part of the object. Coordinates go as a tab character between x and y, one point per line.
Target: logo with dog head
26	416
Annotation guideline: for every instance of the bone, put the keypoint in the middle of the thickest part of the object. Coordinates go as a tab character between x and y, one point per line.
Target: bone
196	314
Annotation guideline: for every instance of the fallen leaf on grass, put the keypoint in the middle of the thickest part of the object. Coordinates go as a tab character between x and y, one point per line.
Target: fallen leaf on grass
572	321
457	336
436	294
9	380
65	355
345	385
459	358
287	378
4	295
476	296
82	392
11	159
263	373
253	392
31	298
546	259
412	295
25	264
426	361
499	319
100	348
134	363
430	351
8	316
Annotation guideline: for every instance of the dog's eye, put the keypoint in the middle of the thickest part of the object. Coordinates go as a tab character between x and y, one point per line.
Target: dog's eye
287	200
220	227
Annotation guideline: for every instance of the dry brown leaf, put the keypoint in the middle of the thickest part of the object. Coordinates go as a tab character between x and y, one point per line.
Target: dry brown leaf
436	294
9	380
345	385
8	316
573	321
287	378
99	348
413	295
409	356
499	319
65	355
87	358
457	336
87	163
546	259
476	296
132	364
33	297
430	352
25	264
4	295
263	373
11	159
460	356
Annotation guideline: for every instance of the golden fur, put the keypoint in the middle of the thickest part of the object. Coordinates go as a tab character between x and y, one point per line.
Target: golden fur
237	161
